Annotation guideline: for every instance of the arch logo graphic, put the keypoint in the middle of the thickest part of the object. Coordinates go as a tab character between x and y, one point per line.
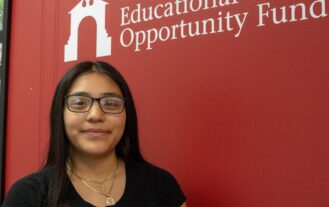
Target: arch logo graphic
96	10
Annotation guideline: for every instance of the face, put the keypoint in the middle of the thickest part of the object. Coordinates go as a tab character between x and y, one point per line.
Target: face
94	133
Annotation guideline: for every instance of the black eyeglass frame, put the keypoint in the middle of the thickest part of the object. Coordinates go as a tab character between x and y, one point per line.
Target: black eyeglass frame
92	102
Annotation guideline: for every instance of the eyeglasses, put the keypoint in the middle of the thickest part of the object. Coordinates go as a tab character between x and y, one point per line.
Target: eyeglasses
81	103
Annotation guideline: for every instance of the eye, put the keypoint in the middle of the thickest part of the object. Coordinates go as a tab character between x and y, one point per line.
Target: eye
110	103
79	102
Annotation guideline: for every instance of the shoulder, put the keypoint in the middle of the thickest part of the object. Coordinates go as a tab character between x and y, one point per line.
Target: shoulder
150	172
157	181
148	168
37	181
29	190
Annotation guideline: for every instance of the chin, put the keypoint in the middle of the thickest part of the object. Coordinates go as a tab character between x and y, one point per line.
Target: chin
99	151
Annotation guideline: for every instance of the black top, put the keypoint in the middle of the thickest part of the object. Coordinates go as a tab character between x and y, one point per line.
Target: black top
146	186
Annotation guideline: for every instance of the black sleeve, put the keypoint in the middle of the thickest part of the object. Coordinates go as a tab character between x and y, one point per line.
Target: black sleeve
171	193
24	193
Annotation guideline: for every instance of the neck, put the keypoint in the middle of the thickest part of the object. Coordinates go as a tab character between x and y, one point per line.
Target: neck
93	168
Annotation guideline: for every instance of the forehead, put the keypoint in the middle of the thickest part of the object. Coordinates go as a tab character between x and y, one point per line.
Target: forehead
94	84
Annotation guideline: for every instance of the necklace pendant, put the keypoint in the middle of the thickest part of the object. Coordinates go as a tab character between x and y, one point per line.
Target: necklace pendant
109	201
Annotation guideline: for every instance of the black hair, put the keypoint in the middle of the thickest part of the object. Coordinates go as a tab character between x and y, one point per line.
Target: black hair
58	153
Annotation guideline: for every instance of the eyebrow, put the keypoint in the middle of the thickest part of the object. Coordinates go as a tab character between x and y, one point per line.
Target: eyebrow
78	93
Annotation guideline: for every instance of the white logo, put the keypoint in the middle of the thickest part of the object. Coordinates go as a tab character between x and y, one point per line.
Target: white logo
96	10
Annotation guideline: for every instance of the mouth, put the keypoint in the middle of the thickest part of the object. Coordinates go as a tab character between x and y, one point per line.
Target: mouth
95	132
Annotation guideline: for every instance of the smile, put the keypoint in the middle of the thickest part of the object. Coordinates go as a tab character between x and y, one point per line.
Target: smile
95	132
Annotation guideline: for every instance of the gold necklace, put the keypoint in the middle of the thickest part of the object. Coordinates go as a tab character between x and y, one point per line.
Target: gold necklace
109	199
101	183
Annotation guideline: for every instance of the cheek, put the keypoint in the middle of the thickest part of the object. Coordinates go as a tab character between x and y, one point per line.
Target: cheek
122	124
70	124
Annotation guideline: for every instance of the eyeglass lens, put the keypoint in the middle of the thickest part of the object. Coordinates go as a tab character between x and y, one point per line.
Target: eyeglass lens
108	104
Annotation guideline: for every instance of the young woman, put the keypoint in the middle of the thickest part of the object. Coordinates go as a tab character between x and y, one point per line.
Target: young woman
94	157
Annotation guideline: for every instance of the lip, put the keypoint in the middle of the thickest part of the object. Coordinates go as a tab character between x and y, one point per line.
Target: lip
95	132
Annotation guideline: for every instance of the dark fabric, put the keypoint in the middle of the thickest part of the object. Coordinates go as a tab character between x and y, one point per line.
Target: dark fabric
146	186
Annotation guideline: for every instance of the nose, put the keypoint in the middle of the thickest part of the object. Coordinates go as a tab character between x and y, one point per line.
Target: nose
95	114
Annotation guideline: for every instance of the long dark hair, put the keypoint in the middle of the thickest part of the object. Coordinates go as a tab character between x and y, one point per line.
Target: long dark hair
59	147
